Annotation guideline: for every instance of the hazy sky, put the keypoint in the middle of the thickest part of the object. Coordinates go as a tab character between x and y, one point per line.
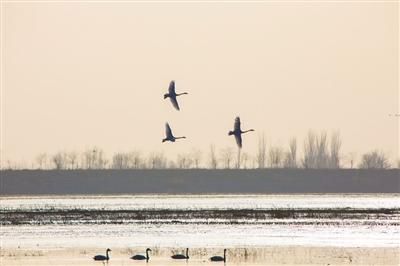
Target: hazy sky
76	75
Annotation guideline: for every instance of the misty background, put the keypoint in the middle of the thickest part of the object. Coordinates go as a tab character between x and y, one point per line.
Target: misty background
83	75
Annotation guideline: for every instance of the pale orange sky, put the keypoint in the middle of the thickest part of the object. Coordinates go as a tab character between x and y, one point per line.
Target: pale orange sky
76	75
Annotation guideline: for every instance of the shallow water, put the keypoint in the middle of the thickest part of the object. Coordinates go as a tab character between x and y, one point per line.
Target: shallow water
190	202
235	257
63	229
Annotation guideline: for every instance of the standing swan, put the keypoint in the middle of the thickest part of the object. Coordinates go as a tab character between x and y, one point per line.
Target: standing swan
102	257
237	131
181	256
169	135
219	258
141	257
172	95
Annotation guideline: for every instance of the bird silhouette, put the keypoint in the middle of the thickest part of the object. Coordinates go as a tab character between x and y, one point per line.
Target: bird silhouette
169	135
181	256
172	95
237	132
141	257
102	257
219	258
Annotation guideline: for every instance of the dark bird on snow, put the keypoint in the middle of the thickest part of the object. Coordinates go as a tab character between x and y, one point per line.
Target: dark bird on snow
172	95
141	257
237	132
169	135
219	258
181	256
102	257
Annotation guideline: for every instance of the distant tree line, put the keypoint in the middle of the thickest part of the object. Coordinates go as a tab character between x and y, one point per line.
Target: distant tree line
319	151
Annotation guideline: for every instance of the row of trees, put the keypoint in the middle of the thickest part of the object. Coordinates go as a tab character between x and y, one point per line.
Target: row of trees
320	151
89	159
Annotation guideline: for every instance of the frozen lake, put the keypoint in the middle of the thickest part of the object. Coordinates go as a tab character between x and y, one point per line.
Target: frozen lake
201	221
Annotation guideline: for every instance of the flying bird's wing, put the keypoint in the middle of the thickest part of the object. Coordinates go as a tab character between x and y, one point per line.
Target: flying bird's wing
238	138
168	131
236	127
171	88
174	102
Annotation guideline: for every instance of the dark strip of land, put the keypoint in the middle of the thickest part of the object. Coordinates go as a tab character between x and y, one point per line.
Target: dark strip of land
18	217
198	181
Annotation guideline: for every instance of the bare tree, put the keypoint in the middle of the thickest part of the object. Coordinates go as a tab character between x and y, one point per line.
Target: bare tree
152	158
244	159
60	160
120	161
275	157
41	160
161	161
135	159
213	158
310	153
322	151
226	157
184	161
72	159
157	161
189	161
87	159
196	157
290	160
336	144
181	161
261	151
94	158
374	160
316	151
100	159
